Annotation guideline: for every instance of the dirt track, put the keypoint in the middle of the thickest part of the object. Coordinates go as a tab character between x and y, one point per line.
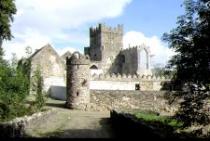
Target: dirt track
67	123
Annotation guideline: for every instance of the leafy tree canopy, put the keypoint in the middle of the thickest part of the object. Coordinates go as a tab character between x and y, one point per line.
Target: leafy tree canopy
7	10
191	41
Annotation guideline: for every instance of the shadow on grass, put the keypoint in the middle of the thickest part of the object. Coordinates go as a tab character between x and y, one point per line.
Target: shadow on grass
56	105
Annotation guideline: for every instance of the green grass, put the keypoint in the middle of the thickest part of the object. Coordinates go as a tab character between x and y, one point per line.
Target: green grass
154	118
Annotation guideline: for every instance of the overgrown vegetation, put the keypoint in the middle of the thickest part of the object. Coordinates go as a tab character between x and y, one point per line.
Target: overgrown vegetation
191	41
7	10
14	77
13	91
14	82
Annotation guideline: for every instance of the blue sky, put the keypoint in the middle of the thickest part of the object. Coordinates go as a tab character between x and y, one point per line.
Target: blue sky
66	25
152	17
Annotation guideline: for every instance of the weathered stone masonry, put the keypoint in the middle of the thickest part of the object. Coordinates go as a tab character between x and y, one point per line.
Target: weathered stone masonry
78	75
107	53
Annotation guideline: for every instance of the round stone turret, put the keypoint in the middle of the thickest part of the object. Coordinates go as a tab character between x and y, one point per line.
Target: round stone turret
78	77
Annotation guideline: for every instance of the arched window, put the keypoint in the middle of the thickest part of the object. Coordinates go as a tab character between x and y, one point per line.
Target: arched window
143	59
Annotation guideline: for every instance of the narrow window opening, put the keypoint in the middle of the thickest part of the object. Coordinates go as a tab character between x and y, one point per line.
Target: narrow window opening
84	83
77	93
137	87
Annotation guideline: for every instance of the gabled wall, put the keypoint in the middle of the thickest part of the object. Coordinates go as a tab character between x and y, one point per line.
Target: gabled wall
51	66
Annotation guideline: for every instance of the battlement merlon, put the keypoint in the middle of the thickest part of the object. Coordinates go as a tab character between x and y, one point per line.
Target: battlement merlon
104	28
78	59
137	48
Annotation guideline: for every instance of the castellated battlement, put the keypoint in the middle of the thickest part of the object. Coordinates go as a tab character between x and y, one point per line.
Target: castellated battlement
124	77
137	47
78	58
104	28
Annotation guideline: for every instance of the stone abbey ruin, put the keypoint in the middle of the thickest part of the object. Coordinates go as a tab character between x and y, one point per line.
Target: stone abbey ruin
106	76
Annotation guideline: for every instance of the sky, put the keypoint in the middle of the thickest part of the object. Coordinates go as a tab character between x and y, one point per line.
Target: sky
65	24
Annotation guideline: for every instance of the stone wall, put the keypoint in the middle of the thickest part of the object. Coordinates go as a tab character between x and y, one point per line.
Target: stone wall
101	100
126	125
110	81
50	83
110	85
132	100
51	66
19	126
129	61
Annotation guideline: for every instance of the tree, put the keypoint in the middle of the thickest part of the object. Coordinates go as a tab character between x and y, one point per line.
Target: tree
7	10
191	41
159	70
40	99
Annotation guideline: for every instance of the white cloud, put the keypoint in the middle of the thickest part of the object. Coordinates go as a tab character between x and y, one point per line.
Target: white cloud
67	13
160	51
29	38
38	22
33	39
54	17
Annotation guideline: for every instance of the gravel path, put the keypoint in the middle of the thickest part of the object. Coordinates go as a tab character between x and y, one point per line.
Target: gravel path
67	123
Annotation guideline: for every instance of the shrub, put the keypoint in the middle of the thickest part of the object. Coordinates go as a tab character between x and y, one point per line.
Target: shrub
13	92
40	96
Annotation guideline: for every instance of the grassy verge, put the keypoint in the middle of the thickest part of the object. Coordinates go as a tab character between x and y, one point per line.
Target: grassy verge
154	118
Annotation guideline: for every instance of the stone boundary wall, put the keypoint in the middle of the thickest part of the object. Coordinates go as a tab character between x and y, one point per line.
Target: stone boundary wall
145	82
131	100
127	125
18	126
112	85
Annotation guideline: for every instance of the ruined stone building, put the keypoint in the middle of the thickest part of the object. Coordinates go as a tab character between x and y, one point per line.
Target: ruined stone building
108	56
51	65
111	67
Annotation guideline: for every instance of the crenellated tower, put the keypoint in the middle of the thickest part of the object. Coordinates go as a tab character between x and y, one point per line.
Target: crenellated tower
105	44
78	75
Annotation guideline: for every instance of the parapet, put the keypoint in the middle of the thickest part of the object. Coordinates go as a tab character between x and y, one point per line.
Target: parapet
78	59
104	28
137	47
129	77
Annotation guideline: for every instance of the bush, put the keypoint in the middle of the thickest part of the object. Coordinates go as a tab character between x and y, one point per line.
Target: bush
14	88
13	92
